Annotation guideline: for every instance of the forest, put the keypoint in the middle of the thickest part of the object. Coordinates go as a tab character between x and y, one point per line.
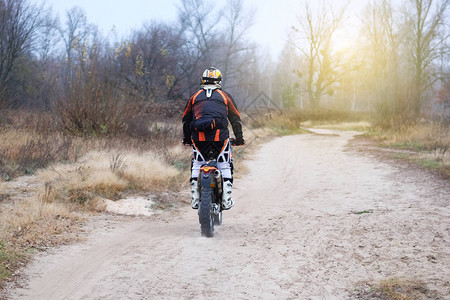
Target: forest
396	66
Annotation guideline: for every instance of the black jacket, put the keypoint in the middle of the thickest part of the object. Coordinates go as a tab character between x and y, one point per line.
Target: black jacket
206	119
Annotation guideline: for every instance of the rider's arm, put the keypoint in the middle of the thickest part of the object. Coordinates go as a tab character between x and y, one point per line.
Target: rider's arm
187	119
235	118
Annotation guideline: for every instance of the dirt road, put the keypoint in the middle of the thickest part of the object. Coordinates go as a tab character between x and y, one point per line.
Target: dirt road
312	219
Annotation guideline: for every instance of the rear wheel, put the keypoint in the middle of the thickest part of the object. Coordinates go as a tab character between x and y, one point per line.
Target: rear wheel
204	213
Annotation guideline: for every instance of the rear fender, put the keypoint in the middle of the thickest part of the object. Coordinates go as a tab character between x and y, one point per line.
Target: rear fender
207	178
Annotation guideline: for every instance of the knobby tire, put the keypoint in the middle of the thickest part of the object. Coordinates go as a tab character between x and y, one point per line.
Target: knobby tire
205	215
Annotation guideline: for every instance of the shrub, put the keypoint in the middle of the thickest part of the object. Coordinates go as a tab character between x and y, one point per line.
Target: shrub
422	136
35	152
94	108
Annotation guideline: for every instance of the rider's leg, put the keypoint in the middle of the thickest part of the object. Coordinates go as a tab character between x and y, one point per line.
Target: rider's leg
225	164
197	162
227	201
195	195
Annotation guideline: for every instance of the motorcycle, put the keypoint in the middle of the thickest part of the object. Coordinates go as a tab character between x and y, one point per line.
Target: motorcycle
210	209
210	185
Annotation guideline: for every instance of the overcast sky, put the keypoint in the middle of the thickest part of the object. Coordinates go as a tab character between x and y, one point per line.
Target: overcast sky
272	20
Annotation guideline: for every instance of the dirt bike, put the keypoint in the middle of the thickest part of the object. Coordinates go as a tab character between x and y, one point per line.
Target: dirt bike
210	209
210	183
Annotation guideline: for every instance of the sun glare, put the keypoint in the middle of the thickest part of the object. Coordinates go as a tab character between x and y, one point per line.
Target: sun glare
344	41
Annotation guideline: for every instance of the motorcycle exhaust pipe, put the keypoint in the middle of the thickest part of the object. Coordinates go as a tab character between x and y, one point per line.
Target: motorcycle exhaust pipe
218	176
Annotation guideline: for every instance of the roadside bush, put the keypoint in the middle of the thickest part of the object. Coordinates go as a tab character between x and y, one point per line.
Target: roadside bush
35	152
42	122
94	108
426	143
422	136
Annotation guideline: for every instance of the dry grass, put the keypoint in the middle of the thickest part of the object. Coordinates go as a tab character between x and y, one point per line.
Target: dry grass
394	289
102	174
422	136
32	224
286	124
291	121
13	139
10	258
426	144
149	171
24	151
344	126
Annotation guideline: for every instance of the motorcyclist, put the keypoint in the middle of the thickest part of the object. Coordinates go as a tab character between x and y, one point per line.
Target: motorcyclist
205	127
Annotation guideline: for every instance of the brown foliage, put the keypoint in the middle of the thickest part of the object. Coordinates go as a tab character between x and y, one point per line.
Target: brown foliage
36	152
94	108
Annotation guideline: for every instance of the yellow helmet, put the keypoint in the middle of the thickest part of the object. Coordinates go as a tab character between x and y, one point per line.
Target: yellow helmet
212	76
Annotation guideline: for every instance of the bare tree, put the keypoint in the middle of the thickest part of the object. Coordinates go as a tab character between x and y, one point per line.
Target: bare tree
238	21
426	18
315	44
199	25
150	63
19	22
45	56
47	39
75	34
383	31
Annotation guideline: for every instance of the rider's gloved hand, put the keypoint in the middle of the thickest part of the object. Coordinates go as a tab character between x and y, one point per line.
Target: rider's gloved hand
238	142
187	141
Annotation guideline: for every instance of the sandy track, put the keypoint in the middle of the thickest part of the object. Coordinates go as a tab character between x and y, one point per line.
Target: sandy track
295	233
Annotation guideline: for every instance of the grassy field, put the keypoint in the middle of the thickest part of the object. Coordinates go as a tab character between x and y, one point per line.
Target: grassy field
425	144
